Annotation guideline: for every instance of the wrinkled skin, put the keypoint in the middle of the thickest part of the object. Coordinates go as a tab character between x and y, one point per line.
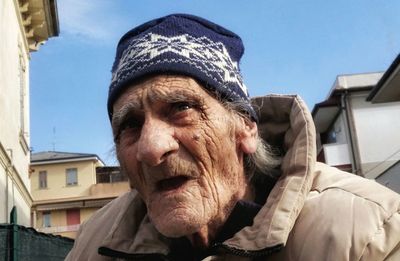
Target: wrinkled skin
183	152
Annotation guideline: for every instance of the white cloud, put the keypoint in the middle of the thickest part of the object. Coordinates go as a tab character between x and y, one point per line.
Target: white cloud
89	20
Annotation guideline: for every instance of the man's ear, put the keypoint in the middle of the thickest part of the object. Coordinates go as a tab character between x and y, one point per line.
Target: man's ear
248	137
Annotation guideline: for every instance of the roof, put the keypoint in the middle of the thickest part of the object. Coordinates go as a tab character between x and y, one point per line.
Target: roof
388	88
325	112
45	157
354	82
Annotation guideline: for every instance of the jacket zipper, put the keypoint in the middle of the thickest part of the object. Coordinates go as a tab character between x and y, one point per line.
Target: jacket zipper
248	253
227	249
105	251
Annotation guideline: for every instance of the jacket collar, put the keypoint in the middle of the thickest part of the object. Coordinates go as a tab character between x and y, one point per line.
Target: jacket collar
132	231
286	124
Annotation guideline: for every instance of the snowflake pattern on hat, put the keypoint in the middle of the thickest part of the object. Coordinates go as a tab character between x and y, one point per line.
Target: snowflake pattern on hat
212	58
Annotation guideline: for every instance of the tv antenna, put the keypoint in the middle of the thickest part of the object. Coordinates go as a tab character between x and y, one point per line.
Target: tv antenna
54	139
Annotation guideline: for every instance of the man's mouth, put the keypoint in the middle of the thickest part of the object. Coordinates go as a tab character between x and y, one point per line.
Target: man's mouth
171	183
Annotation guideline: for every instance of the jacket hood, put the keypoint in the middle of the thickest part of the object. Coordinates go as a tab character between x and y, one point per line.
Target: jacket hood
286	124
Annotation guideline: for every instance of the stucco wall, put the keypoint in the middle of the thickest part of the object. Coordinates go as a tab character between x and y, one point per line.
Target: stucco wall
11	196
57	218
3	209
12	52
86	213
56	180
377	127
23	209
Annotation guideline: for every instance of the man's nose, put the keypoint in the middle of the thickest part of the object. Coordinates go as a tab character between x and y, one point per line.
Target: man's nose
156	142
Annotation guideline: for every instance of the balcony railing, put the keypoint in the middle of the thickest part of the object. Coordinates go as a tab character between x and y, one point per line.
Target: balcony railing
59	229
109	175
336	154
109	189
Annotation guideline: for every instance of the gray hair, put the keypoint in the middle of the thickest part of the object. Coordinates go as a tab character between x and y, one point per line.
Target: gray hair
265	158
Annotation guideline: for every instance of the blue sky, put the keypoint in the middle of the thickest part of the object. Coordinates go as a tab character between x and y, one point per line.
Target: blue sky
292	47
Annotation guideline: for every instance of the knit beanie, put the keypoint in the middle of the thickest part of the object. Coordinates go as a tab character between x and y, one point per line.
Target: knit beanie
184	45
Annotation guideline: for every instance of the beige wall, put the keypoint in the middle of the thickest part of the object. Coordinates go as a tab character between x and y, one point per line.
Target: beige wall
59	222
58	194
71	234
14	158
58	218
110	189
86	213
56	180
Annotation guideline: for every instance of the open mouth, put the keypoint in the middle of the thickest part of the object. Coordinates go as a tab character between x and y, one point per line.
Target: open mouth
171	183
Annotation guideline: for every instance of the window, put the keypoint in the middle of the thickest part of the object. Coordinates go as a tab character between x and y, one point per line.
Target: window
331	136
328	137
46	219
23	110
72	177
21	78
42	179
73	217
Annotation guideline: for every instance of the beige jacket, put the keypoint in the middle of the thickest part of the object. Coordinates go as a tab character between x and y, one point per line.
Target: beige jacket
314	212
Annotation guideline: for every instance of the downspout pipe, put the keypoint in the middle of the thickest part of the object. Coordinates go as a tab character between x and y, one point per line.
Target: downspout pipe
349	131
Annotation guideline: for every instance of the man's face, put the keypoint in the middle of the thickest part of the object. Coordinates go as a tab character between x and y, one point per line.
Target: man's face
183	151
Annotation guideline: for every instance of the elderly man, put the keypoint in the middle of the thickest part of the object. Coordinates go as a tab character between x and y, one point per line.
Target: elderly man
205	182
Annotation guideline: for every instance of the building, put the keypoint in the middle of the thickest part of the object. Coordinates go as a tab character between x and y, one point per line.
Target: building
358	134
387	90
24	26
388	87
67	188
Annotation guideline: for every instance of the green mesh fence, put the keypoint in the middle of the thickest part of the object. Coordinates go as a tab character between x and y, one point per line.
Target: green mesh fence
4	239
21	243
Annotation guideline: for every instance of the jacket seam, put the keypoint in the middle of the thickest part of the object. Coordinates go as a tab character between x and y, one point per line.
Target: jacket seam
387	212
307	158
295	98
279	200
380	228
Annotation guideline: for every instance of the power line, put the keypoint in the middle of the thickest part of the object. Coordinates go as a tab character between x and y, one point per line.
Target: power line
385	160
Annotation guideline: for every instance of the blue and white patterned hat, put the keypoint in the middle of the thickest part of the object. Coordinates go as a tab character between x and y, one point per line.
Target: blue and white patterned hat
185	45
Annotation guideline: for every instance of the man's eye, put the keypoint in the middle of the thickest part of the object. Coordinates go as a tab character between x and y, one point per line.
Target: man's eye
181	106
182	112
127	128
130	124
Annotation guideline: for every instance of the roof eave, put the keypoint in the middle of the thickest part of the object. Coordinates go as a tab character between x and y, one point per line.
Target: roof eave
382	84
65	160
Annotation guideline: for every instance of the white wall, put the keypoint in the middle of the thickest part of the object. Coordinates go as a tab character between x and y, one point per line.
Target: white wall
12	51
340	130
378	131
23	209
15	198
338	152
3	212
